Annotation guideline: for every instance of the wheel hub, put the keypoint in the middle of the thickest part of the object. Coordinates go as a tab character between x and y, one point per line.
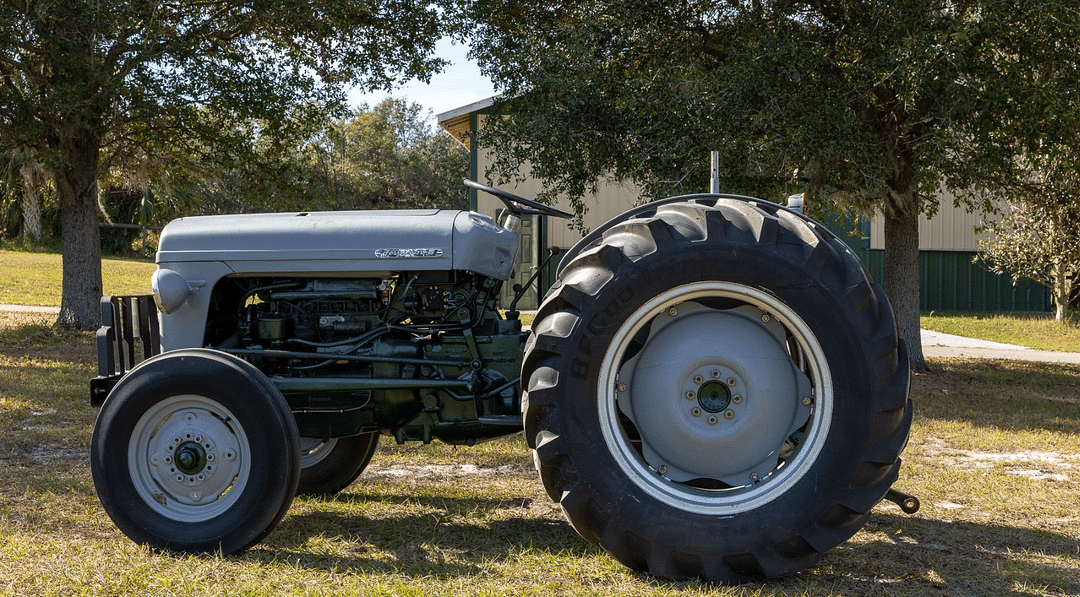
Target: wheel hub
190	458
714	394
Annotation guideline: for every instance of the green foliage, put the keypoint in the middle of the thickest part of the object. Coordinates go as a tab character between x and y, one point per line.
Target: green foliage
861	101
876	105
386	156
86	84
1040	241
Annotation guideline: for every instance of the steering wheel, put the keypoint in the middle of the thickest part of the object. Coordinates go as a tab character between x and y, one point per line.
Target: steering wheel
519	206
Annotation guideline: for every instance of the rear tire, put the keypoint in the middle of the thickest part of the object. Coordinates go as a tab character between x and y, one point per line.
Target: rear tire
327	467
195	451
715	389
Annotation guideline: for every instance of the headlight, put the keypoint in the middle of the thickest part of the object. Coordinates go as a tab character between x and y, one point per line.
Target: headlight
170	290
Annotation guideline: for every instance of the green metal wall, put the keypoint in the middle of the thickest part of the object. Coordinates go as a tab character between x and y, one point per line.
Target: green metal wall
951	281
948	280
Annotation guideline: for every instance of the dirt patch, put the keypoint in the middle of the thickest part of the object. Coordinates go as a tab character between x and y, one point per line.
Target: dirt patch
442	471
1039	466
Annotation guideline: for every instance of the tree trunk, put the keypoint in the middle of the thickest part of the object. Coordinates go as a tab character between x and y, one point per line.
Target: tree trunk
1061	291
31	200
77	191
901	281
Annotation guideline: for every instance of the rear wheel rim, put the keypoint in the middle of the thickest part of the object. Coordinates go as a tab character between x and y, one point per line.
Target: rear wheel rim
657	437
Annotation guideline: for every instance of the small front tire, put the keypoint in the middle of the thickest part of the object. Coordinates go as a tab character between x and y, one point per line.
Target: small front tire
195	451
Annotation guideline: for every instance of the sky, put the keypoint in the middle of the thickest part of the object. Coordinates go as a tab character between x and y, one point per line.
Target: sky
459	84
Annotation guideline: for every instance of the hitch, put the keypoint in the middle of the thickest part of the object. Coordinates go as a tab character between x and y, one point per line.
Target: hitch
908	503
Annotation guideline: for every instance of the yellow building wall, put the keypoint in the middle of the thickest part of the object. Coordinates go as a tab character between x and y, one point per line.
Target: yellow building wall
952	228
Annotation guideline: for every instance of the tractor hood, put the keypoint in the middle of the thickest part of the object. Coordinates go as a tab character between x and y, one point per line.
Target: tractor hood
347	242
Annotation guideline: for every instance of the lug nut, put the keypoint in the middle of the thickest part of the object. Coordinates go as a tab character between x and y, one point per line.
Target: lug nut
736	399
696	412
698	379
713	420
731	381
690	395
729	414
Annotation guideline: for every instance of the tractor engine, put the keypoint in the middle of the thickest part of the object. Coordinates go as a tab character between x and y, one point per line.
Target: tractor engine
415	354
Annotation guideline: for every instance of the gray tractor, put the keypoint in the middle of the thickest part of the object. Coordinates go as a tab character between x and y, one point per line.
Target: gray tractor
712	388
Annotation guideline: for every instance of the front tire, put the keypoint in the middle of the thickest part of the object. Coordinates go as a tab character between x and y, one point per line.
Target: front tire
716	390
195	451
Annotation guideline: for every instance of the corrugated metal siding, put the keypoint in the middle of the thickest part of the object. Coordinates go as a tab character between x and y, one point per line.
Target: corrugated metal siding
950	281
952	228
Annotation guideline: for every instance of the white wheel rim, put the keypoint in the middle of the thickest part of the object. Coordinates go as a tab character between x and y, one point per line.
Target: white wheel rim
189	458
314	450
654	478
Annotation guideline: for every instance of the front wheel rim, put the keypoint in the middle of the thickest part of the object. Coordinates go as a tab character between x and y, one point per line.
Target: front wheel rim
644	433
189	458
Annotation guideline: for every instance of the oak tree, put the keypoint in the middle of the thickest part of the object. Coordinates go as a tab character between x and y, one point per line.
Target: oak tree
82	81
877	105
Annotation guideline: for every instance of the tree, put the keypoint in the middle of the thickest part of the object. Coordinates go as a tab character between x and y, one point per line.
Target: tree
25	177
1039	236
82	81
391	157
876	105
384	156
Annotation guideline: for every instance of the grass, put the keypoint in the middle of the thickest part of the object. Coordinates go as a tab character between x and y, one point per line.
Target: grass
35	278
994	457
1037	330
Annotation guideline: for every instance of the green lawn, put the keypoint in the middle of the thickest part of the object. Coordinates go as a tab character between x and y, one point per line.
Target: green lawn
1026	329
35	278
994	455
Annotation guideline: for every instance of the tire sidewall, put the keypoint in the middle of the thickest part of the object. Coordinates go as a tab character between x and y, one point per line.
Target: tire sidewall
337	470
809	498
232	383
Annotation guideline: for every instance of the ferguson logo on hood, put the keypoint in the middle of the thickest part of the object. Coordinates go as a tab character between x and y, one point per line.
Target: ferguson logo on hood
407	253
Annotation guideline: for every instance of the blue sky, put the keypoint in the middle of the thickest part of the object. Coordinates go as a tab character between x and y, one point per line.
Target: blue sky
460	84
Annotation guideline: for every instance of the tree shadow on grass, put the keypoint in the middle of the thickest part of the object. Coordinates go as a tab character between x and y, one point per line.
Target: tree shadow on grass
943	557
425	535
1006	395
453	537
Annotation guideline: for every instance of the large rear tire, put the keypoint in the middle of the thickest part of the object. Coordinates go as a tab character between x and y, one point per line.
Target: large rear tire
715	389
195	451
